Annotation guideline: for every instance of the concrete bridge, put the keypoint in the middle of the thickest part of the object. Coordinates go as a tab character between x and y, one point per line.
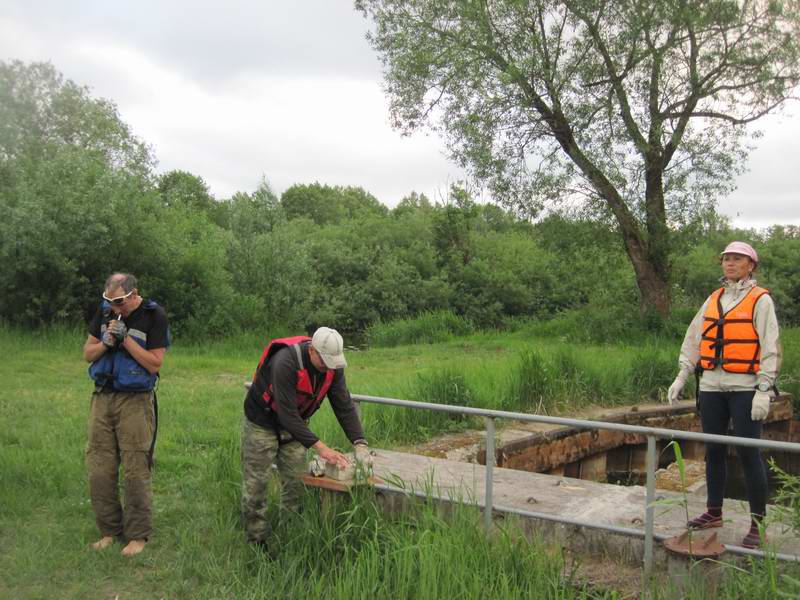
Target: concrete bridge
554	478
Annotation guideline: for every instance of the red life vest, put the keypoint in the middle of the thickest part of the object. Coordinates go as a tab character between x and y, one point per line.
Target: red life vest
307	402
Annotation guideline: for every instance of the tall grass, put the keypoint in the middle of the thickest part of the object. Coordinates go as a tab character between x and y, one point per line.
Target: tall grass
651	373
198	551
448	386
567	378
612	321
426	328
766	579
348	547
530	384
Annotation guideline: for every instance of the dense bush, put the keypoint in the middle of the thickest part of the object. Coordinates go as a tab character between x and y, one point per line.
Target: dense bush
79	199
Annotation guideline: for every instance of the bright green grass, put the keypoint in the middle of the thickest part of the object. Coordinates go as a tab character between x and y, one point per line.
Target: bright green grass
426	328
46	521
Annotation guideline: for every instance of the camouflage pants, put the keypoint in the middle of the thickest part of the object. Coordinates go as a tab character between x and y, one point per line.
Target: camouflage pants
120	432
260	449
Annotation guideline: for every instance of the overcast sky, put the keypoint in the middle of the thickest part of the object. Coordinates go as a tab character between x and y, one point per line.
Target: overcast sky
290	91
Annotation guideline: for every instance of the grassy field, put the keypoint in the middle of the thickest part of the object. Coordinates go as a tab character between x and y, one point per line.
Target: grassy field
46	522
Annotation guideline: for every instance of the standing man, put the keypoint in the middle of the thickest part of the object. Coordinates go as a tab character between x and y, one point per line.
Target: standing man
128	338
292	379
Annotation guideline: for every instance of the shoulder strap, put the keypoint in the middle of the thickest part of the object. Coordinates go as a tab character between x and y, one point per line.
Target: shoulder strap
299	353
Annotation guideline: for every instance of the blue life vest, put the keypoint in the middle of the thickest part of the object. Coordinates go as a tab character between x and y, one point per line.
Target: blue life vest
117	368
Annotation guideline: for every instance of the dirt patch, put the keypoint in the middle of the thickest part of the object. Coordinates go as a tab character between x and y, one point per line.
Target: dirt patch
603	574
670	478
461	446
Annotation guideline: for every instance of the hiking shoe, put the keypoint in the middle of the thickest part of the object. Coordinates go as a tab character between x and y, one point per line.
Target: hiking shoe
705	521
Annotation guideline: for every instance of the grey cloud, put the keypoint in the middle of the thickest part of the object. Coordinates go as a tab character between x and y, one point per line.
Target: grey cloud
215	42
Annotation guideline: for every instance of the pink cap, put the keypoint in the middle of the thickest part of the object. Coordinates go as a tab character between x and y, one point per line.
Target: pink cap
741	248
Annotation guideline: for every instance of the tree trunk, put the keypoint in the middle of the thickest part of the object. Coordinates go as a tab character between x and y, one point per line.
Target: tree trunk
651	279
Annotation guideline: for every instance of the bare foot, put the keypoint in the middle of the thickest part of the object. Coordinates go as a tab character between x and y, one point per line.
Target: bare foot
133	547
103	543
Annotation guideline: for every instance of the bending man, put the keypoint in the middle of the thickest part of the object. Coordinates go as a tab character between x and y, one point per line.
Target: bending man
292	379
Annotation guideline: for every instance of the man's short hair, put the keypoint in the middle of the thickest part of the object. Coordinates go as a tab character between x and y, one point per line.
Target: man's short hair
124	280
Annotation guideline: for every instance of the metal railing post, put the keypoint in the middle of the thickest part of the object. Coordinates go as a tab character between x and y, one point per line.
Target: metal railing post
649	509
488	502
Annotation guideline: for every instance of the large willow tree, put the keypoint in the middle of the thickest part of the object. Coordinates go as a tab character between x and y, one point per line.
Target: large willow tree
635	109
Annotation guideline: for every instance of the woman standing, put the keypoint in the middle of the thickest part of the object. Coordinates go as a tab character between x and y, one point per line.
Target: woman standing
733	341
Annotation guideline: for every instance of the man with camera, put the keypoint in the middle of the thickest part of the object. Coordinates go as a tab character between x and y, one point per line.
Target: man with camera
128	338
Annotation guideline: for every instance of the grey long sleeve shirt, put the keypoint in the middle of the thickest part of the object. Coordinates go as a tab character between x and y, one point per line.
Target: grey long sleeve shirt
766	326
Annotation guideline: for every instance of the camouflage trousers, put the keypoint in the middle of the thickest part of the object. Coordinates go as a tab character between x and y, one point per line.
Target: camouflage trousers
120	433
260	449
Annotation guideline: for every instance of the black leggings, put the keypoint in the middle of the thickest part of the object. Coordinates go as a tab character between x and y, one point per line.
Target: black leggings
716	410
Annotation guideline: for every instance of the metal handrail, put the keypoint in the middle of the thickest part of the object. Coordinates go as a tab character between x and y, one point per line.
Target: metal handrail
651	433
586	424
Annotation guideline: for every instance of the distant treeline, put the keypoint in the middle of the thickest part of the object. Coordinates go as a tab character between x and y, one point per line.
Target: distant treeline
335	255
79	198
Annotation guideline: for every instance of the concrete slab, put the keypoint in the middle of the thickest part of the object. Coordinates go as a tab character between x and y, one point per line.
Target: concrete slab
576	499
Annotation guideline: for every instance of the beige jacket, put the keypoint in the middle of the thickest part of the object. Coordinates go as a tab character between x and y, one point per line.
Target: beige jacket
766	325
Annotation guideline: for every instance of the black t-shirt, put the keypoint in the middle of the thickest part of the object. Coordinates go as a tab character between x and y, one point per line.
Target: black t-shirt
152	322
281	373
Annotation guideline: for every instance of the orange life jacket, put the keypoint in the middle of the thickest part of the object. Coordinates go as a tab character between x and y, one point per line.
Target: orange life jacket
731	340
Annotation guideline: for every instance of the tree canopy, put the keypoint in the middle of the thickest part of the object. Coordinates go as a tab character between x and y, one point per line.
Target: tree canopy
74	208
634	109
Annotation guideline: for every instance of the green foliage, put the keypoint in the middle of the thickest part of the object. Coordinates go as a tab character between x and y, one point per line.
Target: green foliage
786	499
71	174
78	200
780	272
249	215
179	188
531	385
325	205
199	549
445	386
440	387
411	204
518	100
453	227
652	371
41	115
426	328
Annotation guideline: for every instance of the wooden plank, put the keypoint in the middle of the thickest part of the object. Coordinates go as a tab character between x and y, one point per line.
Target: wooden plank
336	485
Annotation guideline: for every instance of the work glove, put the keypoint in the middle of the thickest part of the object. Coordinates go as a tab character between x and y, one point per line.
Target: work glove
674	391
760	408
362	455
119	330
316	467
108	339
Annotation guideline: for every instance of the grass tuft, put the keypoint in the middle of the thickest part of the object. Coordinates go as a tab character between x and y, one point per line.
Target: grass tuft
426	328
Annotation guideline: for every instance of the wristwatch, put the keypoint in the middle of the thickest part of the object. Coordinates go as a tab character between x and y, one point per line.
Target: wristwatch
763	387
